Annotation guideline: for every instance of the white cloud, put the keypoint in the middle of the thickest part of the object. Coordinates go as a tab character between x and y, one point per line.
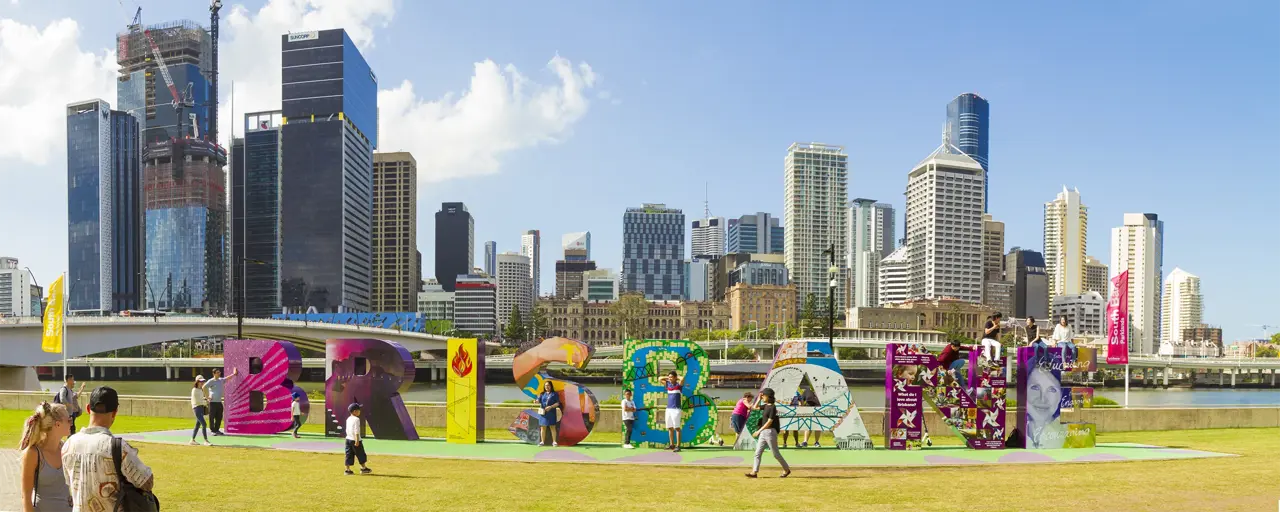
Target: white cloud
41	71
464	135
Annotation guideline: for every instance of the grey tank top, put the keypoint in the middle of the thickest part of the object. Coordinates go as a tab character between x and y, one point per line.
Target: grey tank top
52	493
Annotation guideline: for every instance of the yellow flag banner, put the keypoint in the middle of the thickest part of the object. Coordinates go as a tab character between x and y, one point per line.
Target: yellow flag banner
51	341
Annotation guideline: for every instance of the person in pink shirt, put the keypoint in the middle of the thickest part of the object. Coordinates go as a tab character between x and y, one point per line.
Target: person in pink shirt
740	412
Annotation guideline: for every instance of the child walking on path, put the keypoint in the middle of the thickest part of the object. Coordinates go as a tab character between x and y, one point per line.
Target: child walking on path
355	441
628	418
296	409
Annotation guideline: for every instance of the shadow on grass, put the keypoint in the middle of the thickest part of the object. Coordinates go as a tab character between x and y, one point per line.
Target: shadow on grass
405	477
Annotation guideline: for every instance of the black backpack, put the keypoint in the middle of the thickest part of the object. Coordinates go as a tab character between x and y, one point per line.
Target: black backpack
130	498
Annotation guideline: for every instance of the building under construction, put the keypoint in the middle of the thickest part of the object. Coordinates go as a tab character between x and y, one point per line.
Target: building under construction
186	48
186	220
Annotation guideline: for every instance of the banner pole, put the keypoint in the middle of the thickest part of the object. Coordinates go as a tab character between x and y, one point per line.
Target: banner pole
1126	385
64	327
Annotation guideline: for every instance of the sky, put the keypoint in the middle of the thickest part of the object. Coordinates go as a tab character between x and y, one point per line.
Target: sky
559	115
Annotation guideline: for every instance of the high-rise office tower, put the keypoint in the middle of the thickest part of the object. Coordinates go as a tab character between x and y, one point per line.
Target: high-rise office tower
475	304
184	186
1030	284
815	197
330	104
945	226
491	257
576	246
1095	277
1138	246
515	287
531	247
571	271
969	125
870	240
697	278
455	242
19	295
105	250
996	291
895	278
1182	306
1066	228
141	91
395	232
708	237
255	216
653	252
755	234
599	284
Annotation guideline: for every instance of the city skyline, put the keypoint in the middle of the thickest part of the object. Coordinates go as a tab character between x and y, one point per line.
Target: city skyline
1112	171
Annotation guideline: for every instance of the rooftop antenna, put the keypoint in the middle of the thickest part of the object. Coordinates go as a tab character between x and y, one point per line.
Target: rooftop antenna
706	200
946	136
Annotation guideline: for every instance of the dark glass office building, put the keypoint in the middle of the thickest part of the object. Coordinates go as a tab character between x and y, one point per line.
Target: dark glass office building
104	209
653	252
255	210
969	121
755	234
455	245
329	131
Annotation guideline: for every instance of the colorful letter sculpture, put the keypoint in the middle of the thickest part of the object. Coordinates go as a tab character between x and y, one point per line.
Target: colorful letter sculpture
640	374
798	361
373	373
974	410
579	407
1043	397
464	392
258	400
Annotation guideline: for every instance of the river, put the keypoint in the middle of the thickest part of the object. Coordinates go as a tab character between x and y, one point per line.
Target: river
870	396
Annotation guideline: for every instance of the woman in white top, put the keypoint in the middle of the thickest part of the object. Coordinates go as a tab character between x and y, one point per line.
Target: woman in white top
1062	338
198	406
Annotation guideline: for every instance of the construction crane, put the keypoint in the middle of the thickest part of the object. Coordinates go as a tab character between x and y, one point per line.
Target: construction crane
179	102
214	7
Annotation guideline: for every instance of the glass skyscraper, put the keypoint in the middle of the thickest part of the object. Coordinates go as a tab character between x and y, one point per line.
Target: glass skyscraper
104	209
968	123
255	210
455	245
653	252
745	235
140	89
329	106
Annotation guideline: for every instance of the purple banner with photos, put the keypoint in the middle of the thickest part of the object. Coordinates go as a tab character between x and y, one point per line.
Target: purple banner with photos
969	395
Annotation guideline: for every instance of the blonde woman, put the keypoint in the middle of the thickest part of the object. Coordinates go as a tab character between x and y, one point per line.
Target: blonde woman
43	485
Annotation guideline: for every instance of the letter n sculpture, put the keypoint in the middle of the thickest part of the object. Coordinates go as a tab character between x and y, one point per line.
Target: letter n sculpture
373	373
464	393
258	400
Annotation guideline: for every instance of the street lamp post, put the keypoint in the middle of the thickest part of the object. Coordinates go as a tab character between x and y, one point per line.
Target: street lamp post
37	283
831	298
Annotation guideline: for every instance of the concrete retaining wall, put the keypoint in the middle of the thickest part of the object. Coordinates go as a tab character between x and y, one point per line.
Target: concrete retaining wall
499	416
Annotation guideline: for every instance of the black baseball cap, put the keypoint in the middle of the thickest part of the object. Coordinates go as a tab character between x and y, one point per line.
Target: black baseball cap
767	392
104	400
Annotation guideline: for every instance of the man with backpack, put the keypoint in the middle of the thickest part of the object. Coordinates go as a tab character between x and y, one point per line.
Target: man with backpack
91	457
68	395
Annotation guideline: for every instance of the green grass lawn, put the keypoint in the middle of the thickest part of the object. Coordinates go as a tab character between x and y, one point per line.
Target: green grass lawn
217	478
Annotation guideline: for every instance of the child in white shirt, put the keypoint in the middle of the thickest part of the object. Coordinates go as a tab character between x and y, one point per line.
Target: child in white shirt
628	418
355	442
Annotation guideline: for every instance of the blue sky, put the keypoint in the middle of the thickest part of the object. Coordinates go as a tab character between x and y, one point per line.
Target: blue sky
1167	107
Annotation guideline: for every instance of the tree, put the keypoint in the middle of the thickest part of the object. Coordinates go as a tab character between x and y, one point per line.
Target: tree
809	313
537	325
630	312
741	352
849	353
1275	339
1266	352
952	329
515	326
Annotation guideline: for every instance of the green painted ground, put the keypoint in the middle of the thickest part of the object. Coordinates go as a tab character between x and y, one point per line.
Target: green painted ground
725	456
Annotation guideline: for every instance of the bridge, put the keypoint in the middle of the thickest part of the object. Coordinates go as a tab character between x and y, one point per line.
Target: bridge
20	337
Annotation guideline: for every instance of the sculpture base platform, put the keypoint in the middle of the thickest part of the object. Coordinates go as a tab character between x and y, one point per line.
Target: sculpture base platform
702	456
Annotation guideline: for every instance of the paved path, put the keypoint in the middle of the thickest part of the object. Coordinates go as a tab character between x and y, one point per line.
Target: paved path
10	500
705	456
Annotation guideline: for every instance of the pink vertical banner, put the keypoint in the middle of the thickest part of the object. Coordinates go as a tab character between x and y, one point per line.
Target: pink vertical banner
1118	320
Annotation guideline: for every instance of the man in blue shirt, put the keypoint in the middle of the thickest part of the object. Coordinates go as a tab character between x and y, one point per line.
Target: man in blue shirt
673	383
